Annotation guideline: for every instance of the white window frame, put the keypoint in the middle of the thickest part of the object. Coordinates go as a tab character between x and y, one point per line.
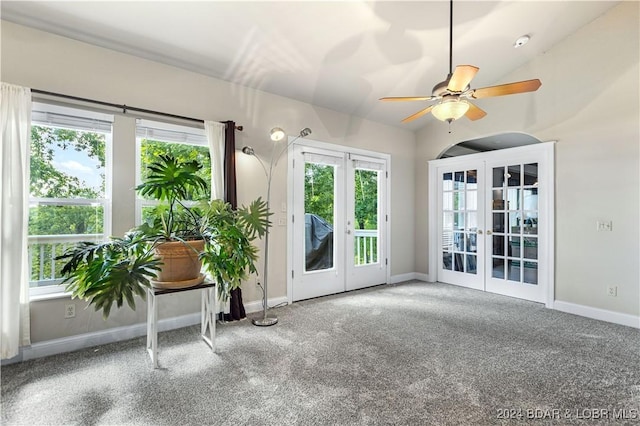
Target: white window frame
73	118
163	132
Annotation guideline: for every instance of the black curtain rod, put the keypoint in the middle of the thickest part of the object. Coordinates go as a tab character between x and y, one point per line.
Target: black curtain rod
122	107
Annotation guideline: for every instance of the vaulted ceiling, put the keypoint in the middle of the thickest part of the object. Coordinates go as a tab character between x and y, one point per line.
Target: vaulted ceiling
342	55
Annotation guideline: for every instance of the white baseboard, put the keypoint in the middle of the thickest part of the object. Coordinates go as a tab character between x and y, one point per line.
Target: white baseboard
102	337
256	306
395	279
597	313
423	277
411	276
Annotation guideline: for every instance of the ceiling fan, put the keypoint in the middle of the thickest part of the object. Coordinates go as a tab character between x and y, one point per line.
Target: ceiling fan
453	92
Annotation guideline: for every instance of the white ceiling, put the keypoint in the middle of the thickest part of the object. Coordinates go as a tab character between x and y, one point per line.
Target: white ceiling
342	55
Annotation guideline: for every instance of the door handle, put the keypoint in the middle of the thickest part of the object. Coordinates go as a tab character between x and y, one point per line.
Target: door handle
489	232
348	231
479	231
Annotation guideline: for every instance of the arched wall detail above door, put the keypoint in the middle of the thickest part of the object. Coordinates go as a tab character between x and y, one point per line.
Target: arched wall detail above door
489	143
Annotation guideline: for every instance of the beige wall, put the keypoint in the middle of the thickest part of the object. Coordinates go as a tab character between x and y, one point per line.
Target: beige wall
589	104
44	61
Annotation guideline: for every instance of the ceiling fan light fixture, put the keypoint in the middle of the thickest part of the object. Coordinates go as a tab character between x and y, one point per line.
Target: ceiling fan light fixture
450	109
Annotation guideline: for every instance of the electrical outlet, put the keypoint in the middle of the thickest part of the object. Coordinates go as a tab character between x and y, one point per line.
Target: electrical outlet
604	226
70	311
612	290
282	221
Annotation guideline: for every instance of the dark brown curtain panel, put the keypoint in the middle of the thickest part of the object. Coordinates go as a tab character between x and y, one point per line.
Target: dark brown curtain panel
236	307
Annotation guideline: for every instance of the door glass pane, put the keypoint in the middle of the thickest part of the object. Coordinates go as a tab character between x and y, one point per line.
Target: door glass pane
498	199
447	241
458	180
498	177
471	264
447	261
498	222
514	246
530	248
472	179
514	222
447	181
447	220
513	270
472	243
458	221
498	268
472	200
513	174
458	201
530	273
319	186
458	262
365	239
530	224
458	241
513	198
530	199
531	174
447	201
472	222
498	245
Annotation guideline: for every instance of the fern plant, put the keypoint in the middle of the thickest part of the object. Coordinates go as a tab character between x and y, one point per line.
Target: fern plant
121	269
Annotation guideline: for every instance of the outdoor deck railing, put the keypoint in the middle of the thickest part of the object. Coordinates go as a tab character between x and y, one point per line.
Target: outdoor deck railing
366	246
44	269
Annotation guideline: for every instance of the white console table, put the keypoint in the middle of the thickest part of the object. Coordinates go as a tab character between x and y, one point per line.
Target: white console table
207	316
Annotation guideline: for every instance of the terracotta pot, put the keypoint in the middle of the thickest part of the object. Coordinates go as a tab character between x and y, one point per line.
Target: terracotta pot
180	264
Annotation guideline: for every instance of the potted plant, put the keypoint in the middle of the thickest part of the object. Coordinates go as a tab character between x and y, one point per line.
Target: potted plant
177	236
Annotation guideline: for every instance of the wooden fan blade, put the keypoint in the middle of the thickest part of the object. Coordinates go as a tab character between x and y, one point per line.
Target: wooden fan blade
462	76
407	98
418	114
474	113
507	89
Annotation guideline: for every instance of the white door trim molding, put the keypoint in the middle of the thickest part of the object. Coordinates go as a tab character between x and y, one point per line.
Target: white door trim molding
546	149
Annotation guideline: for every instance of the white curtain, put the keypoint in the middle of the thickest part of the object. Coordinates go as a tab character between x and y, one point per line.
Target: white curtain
15	118
215	136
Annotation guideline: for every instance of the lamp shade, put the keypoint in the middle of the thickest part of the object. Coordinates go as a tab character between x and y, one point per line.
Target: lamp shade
450	109
276	134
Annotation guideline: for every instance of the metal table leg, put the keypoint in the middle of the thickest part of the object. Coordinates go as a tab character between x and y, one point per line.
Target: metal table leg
207	316
152	327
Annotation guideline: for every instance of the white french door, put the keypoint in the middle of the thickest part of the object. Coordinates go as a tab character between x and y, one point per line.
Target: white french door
494	221
461	206
339	221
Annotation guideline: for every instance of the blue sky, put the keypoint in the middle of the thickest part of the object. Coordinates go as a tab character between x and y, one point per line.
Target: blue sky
78	164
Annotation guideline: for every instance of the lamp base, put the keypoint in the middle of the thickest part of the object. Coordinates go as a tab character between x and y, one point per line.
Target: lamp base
265	322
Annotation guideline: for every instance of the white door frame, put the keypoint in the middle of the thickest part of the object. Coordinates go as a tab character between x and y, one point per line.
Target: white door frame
546	150
290	200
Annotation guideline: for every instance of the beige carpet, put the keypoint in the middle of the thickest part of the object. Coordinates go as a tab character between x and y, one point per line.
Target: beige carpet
408	354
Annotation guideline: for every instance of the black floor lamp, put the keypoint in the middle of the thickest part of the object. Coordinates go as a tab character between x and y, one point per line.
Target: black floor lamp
276	134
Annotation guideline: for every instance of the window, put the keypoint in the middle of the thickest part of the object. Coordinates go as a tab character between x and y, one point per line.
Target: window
69	187
155	138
